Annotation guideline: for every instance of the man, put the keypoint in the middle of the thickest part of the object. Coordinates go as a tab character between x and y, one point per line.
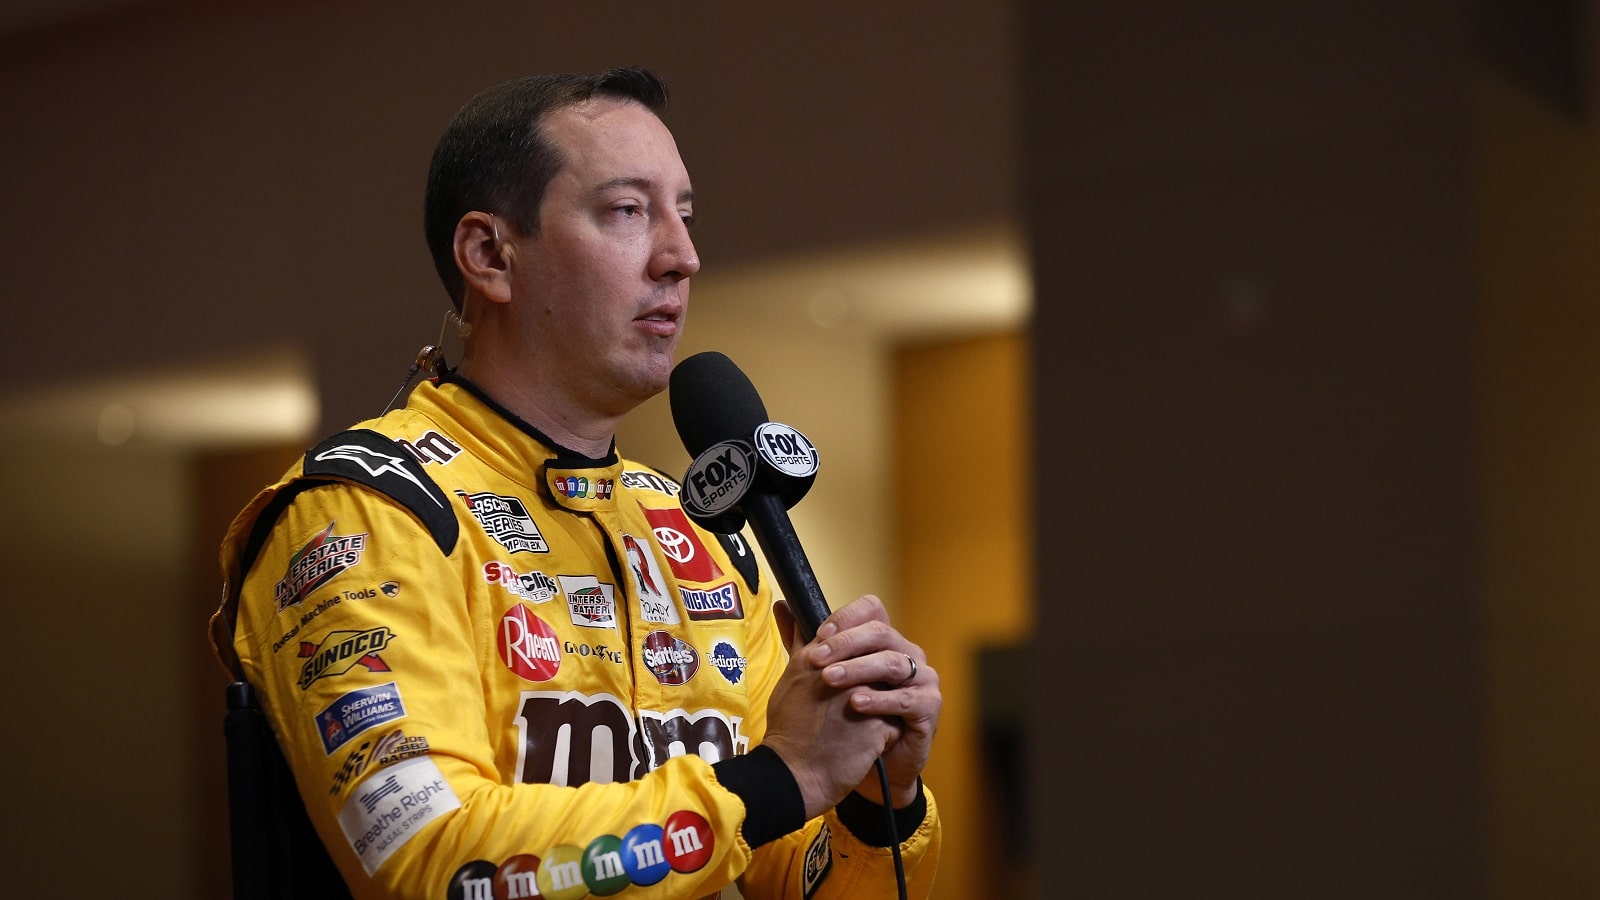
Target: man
487	675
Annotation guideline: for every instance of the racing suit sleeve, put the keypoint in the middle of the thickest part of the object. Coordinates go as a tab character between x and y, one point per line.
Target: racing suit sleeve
844	853
372	682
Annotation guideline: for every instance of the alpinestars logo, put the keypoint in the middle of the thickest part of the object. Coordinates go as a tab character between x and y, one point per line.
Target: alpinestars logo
506	520
375	463
323	557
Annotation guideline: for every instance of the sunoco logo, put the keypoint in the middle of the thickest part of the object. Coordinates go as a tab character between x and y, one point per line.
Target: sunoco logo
341	651
672	661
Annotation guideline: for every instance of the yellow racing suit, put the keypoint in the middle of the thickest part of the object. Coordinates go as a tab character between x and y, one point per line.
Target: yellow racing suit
499	669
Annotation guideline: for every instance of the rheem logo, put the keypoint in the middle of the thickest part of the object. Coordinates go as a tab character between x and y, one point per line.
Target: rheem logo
528	646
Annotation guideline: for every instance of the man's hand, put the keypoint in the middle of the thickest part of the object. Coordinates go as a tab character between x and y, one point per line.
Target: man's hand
858	691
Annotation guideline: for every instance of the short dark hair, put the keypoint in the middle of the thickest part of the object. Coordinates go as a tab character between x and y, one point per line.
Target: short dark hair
496	157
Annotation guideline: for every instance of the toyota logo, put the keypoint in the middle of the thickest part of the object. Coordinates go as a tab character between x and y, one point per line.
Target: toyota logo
675	544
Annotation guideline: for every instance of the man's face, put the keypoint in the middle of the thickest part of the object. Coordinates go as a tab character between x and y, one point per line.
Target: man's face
603	284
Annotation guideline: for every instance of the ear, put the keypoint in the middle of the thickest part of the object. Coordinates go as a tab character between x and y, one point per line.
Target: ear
484	260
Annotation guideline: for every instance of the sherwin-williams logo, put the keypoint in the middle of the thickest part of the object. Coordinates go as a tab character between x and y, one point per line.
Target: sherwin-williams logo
357	711
725	659
506	520
670	660
578	487
720	602
341	651
528	646
317	563
644	856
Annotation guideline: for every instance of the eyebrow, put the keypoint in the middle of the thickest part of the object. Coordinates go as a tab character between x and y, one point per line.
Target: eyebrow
634	181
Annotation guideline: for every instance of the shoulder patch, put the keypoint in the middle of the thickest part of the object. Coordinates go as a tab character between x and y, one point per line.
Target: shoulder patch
743	560
368	458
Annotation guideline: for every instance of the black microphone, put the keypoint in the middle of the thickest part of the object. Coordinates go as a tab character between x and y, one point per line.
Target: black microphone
746	468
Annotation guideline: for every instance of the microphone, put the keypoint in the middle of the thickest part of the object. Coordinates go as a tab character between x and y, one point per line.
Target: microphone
746	469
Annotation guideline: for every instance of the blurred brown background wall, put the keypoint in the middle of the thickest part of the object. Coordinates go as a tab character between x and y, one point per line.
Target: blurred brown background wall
1284	491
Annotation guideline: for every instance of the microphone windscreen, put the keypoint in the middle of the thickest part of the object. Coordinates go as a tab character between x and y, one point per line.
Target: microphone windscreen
713	401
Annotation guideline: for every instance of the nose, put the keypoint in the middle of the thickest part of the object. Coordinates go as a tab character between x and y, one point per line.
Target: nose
674	257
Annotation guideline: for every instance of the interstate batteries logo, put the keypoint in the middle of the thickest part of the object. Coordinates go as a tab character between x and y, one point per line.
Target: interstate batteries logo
670	660
506	520
317	563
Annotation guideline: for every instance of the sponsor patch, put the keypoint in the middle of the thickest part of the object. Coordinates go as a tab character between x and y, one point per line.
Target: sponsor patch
643	856
390	588
654	605
354	765
685	554
323	558
388	809
506	520
598	651
589	601
819	861
670	660
431	448
341	651
396	745
527	644
725	659
720	602
535	587
640	480
356	712
580	487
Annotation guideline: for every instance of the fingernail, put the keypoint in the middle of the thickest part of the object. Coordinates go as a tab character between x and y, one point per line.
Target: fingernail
833	673
822	652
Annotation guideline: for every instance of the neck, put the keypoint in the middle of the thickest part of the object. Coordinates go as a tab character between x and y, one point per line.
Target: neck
565	422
